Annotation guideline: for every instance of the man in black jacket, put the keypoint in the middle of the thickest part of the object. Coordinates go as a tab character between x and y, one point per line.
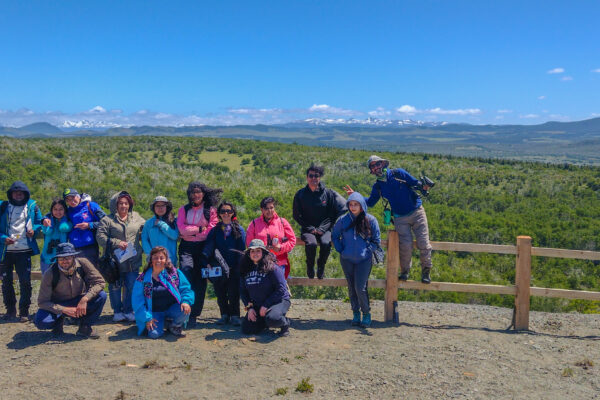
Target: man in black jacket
316	209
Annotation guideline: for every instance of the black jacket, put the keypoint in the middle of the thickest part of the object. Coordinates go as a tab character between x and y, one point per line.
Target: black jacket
319	209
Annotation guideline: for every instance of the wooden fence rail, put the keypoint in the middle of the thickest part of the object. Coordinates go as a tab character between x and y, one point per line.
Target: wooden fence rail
522	290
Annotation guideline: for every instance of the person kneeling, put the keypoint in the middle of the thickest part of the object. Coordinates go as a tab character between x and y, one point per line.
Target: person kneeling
71	287
263	291
161	292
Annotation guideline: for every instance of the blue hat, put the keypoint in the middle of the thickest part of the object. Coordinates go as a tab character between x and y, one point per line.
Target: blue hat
65	250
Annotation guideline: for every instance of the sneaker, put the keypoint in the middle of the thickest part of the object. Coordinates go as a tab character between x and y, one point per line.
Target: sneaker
285	331
119	316
177	330
403	276
223	320
23	318
366	320
130	317
87	332
236	321
425	278
10	317
356	318
58	328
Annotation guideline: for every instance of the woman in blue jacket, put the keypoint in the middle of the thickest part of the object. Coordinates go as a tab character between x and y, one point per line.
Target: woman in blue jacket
161	229
55	228
161	291
229	238
355	236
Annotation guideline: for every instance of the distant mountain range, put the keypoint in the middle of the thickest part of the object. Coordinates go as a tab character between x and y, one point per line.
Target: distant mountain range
574	142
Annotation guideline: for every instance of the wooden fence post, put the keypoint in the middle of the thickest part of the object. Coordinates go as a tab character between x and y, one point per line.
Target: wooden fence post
391	275
523	282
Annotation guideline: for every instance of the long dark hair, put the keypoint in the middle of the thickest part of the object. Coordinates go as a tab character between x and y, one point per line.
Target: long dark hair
266	263
235	225
361	224
159	249
168	217
210	199
56	201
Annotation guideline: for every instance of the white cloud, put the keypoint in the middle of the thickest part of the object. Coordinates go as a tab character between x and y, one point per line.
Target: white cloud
556	71
597	70
379	112
97	110
407	109
504	111
566	78
529	116
465	111
327	109
541	97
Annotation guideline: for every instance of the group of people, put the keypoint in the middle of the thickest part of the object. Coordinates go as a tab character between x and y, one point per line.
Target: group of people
203	242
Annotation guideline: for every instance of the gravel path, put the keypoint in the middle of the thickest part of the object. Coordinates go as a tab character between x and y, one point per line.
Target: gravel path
439	351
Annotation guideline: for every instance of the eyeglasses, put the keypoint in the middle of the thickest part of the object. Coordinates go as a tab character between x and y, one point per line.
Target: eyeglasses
226	212
314	176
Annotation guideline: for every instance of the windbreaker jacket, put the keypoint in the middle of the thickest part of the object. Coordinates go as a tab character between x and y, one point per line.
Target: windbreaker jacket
86	211
227	246
347	242
160	234
190	232
141	298
403	200
319	209
57	231
278	228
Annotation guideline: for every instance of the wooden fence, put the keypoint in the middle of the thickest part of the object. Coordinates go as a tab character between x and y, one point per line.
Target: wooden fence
522	290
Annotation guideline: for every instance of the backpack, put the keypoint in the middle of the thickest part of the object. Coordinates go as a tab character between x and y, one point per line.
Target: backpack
56	274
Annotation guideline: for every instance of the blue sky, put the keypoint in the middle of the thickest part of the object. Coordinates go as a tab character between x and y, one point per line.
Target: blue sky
220	62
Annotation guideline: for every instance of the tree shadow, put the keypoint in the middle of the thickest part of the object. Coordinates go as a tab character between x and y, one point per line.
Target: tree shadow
25	339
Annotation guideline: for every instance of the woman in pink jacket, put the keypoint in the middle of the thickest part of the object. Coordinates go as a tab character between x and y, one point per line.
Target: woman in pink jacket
273	230
194	221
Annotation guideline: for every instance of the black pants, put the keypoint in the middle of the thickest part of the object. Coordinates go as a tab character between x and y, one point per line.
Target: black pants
191	264
311	241
228	293
21	262
90	252
274	318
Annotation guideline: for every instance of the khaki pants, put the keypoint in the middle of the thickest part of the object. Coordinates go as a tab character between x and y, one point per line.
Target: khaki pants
405	226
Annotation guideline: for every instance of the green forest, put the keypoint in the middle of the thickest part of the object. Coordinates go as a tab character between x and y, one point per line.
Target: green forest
475	200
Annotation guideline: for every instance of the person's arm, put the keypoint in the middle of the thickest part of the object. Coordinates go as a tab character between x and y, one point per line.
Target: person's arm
279	288
138	301
411	181
375	195
184	228
375	234
336	234
250	233
98	215
212	222
170	232
288	232
103	234
240	243
185	289
209	245
146	245
297	210
45	295
36	221
93	279
244	294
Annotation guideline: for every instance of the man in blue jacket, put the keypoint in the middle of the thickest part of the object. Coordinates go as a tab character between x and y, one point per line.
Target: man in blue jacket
398	187
20	220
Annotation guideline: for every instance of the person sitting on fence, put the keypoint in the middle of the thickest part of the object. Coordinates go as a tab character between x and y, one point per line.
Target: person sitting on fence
20	220
274	231
398	187
72	287
161	292
55	231
263	290
355	236
316	208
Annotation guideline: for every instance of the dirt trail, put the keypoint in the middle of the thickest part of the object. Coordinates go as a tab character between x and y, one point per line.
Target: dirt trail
439	351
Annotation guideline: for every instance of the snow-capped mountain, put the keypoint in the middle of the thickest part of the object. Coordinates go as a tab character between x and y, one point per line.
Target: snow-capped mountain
87	124
369	122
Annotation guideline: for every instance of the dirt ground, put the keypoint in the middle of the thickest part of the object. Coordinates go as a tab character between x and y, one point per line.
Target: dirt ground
438	351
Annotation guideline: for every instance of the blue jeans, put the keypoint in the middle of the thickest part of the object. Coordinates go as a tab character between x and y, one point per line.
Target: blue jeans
44	319
174	312
120	292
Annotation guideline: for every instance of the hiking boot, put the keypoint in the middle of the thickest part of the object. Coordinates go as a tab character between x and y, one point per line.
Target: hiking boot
23	318
310	272
87	332
425	277
223	320
177	330
403	276
320	273
356	318
285	331
366	320
236	321
119	317
58	328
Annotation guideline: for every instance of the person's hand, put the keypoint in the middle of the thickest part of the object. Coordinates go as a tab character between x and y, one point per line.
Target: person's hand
151	325
348	190
276	247
252	315
263	311
70	312
9	240
426	187
185	307
82	225
123	245
30	233
81	309
46	222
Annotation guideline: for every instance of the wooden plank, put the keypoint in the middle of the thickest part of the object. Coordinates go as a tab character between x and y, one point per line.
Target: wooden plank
475	247
523	283
565	294
391	285
458	287
564	253
336	282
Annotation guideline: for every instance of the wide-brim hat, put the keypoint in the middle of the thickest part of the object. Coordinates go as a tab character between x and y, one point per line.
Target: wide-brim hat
157	199
257	244
375	158
65	250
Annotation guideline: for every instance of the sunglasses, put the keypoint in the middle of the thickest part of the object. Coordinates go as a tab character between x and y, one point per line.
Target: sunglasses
226	212
314	175
376	165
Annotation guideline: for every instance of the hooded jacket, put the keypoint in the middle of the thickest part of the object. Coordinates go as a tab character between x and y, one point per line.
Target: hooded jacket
86	211
34	217
160	234
395	186
347	242
319	209
115	230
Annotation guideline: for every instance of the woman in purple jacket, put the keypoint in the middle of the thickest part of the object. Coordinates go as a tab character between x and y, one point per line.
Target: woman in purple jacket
263	291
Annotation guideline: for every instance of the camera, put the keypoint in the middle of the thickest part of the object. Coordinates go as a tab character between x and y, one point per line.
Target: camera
52	244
